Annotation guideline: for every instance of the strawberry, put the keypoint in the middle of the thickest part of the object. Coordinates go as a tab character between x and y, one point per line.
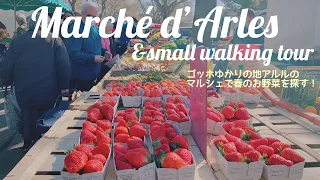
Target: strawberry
131	111
228	126
121	130
94	114
168	124
118	118
105	125
157	131
252	156
258	142
107	111
170	130
103	149
241	123
229	148
122	138
173	135
220	140
163	140
137	159
87	137
233	157
171	111
174	117
182	108
231	138
173	161
272	140
135	142
214	117
185	154
237	132
146	119
132	123
122	123
292	155
243	147
103	137
99	157
143	151
95	105
171	106
89	126
138	131
265	150
242	113
93	166
276	159
84	148
123	165
163	148
75	161
279	146
253	135
158	118
120	148
131	117
228	112
181	141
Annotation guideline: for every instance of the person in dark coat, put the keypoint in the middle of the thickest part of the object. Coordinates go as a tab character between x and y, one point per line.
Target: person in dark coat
39	69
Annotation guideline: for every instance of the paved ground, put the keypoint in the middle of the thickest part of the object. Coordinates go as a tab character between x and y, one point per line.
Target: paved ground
10	143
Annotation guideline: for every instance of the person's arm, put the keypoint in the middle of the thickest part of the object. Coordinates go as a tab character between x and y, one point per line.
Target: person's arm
7	65
62	65
74	46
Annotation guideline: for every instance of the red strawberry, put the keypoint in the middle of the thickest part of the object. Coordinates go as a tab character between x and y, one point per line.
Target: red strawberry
120	148
121	130
185	154
171	106
131	110
252	156
131	117
220	140
242	113
146	120
122	123
89	126
107	111
105	125
94	114
100	158
123	165
103	149
231	138
118	118
163	140
171	111
158	118
258	142
138	131
84	148
87	137
228	126
272	140
93	166
241	123
163	148
243	147
254	135
237	132
173	135
265	150
157	131
229	148
95	105
276	159
241	105
174	117
132	123
168	124
137	159
143	151
172	161
182	108
182	141
292	155
170	130
279	146
102	138
75	161
233	157
228	112
122	138
214	117
135	142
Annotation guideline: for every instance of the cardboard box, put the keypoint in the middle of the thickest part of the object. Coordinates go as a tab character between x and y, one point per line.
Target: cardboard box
185	127
88	176
132	101
230	97
216	102
282	172
238	170
250	98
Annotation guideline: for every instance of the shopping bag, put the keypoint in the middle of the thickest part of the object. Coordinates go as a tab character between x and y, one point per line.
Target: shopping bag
12	110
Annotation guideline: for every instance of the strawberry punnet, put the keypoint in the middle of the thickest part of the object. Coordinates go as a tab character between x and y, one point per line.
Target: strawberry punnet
75	161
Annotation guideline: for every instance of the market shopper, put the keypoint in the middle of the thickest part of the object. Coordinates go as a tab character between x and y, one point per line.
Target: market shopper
22	25
39	69
120	45
86	54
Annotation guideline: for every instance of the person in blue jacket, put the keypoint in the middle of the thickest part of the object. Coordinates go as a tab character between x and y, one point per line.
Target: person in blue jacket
86	54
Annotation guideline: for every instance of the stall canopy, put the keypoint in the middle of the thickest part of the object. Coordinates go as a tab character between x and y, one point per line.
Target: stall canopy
29	5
